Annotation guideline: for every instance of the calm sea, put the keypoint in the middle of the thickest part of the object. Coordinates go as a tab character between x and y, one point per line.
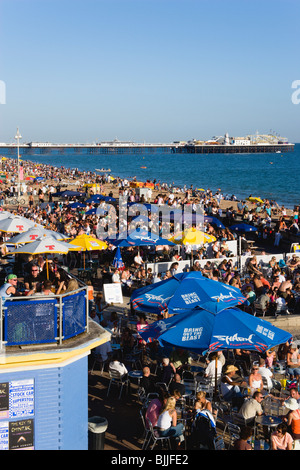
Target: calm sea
269	175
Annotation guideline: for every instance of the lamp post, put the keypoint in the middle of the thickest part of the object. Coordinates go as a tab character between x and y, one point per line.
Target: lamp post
18	137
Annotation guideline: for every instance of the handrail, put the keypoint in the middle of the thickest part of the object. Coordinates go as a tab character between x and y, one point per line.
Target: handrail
59	314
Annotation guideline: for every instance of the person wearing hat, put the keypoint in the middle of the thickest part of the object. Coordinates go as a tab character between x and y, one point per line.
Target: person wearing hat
293	419
9	288
230	388
293	361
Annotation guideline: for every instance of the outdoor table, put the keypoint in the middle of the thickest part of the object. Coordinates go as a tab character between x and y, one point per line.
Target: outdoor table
136	374
196	369
268	421
115	347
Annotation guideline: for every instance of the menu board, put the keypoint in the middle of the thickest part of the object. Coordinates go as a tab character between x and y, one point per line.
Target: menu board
113	293
17	402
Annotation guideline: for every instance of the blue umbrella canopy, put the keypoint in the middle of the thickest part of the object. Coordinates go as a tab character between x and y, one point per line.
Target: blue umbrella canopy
139	238
243	228
199	330
76	205
100	197
185	291
117	261
214	221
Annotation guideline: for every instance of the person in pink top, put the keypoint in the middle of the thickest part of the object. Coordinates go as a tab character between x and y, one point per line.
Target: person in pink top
281	439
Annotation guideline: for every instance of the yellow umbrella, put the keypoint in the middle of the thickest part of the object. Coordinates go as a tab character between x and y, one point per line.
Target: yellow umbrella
87	243
255	199
193	237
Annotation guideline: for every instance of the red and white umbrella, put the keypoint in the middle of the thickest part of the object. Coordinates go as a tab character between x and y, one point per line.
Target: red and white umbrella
45	244
33	234
15	224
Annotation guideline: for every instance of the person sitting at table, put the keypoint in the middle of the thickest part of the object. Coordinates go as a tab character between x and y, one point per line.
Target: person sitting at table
127	341
242	442
117	366
176	384
281	438
112	322
155	406
210	371
34	279
252	407
230	387
141	324
147	382
180	357
167	424
46	289
265	372
243	358
166	372
59	282
255	379
72	285
201	402
293	361
293	417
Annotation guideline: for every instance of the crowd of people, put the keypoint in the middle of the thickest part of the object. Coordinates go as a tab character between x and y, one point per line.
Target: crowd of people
270	288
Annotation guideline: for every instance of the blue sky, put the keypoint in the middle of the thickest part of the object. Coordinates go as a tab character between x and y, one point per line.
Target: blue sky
148	70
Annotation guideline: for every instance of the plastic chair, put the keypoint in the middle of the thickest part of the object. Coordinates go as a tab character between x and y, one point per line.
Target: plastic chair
219	443
117	379
155	437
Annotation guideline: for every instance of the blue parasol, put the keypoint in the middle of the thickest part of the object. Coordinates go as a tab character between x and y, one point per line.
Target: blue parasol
117	261
201	331
139	238
185	291
243	228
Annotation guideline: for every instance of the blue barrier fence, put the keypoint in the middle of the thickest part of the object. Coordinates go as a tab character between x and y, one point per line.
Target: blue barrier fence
38	320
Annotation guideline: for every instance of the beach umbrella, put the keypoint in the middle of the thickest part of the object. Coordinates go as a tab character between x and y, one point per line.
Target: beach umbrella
5	214
139	238
87	243
214	221
192	237
33	234
44	245
97	211
255	199
185	291
100	197
76	205
242	227
69	193
15	224
118	261
201	331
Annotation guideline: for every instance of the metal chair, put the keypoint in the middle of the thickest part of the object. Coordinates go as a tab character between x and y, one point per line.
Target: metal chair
117	379
102	362
147	432
155	437
219	443
234	433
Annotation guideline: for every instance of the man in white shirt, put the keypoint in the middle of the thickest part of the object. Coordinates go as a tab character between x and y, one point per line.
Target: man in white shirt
210	370
265	372
117	366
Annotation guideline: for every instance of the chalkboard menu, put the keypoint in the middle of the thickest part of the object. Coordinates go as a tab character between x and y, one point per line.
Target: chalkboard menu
17	402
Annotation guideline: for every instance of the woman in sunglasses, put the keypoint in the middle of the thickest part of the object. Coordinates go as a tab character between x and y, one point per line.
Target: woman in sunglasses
281	439
255	379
